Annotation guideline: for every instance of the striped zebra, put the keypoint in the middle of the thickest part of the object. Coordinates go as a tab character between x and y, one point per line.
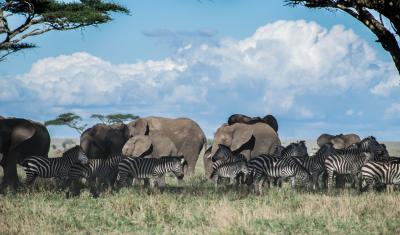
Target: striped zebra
53	167
97	172
349	161
229	170
378	173
146	168
297	149
315	164
265	167
225	154
224	157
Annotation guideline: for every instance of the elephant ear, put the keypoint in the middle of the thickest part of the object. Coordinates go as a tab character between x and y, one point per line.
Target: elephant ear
142	145
141	127
240	137
22	131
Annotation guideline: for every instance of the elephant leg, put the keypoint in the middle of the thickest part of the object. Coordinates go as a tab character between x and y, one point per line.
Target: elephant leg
10	172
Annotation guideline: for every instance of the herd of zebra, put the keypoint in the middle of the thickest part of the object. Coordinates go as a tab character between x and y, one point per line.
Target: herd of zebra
364	164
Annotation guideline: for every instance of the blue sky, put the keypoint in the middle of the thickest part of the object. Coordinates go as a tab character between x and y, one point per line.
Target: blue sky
316	71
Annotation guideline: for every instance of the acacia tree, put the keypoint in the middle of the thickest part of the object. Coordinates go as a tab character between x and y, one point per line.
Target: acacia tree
68	119
363	11
41	16
114	118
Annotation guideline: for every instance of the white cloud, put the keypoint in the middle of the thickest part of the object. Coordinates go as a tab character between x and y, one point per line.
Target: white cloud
393	111
385	87
349	112
266	72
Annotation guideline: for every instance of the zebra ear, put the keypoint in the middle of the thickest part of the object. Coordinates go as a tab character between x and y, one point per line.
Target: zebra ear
182	160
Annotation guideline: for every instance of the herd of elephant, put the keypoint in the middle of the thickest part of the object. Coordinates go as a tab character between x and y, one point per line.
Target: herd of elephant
151	137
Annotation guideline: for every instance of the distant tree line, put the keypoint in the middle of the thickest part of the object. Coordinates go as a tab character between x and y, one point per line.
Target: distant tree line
74	121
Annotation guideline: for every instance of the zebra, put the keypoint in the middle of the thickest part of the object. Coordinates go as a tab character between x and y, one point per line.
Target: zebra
229	170
378	173
264	167
349	161
97	172
298	149
53	167
145	168
315	164
224	156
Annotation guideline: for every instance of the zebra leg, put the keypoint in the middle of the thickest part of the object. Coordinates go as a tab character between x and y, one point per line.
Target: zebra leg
147	183
215	180
330	180
315	177
30	177
93	185
293	182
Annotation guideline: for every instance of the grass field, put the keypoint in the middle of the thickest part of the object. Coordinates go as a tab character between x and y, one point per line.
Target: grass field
197	208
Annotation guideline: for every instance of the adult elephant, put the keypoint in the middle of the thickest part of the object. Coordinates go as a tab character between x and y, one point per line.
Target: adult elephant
155	145
103	141
19	139
186	134
241	118
249	140
340	141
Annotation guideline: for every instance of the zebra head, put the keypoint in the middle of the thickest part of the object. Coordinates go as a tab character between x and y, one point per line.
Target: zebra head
370	145
244	168
385	154
223	153
298	149
82	158
178	167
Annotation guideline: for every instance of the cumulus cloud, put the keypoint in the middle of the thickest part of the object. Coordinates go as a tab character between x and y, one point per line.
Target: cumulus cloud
393	111
268	72
385	88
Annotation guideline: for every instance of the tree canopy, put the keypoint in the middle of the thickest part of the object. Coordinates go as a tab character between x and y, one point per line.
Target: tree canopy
68	119
365	12
73	120
41	16
114	118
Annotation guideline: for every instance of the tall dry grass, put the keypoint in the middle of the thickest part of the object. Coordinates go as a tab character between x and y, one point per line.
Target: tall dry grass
198	208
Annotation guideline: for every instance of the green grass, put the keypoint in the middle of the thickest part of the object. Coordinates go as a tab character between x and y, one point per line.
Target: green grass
197	208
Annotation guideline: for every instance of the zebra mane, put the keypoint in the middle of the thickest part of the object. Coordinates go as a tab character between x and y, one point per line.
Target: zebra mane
72	150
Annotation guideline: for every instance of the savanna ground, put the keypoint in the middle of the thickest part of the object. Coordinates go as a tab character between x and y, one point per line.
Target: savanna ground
197	208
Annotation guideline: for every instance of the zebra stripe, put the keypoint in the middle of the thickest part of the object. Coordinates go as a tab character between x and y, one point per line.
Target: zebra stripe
378	173
265	167
228	170
225	154
298	149
349	161
145	168
97	171
52	167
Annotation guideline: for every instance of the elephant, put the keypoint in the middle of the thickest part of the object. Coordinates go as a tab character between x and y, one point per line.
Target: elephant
241	118
153	145
20	138
249	140
185	134
340	141
104	141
